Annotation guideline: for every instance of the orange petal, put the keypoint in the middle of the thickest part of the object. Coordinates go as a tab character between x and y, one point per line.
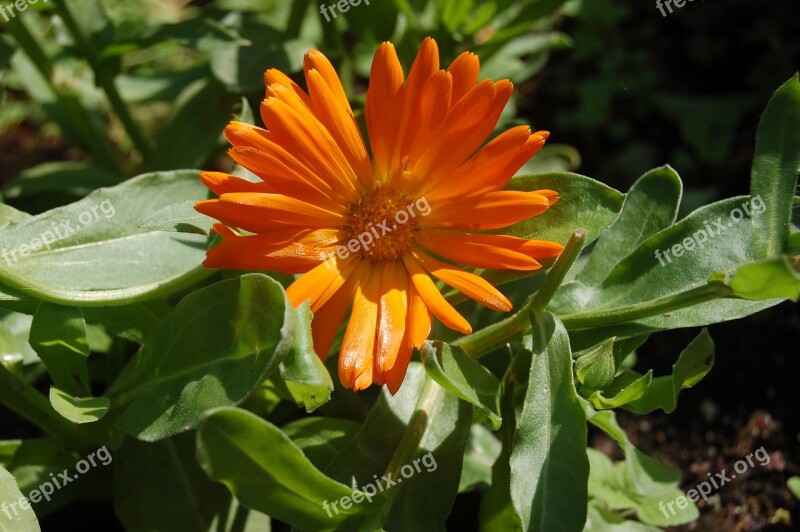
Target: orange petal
470	284
315	284
327	319
315	60
221	183
384	106
358	344
302	135
425	65
276	77
429	113
341	125
396	375
476	251
491	168
491	211
391	314
433	299
419	318
258	212
465	70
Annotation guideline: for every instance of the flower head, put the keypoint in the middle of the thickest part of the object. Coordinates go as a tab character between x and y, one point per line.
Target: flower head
369	230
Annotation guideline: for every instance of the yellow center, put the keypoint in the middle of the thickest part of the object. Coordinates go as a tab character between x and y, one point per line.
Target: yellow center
381	225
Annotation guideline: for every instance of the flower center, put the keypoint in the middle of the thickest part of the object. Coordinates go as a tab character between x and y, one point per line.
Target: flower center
381	225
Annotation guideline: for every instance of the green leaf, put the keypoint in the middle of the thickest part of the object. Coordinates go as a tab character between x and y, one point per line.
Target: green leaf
776	165
193	129
649	477
482	450
650	206
19	518
669	263
596	367
213	350
585	203
424	500
268	472
180	218
131	322
693	364
78	409
93	252
463	377
302	377
76	178
626	388
549	453
321	438
147	475
58	335
769	279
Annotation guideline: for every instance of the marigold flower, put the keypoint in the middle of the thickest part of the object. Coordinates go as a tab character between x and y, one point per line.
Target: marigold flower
330	211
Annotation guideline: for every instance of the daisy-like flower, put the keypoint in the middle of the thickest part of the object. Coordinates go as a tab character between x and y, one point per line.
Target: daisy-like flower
368	232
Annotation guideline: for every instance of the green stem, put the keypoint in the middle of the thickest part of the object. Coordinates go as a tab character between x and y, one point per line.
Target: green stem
490	338
104	81
559	270
408	447
602	318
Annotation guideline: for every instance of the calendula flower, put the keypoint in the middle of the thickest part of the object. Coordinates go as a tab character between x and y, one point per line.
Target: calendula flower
368	232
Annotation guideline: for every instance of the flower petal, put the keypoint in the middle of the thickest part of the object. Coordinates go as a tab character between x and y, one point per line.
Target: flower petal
490	211
433	299
470	284
358	343
384	107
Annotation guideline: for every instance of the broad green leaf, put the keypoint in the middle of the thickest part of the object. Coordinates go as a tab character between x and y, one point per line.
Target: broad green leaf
600	519
497	512
58	335
714	238
93	252
664	510
693	364
549	454
14	331
213	350
596	367
180	218
463	377
131	322
650	206
302	377
321	438
268	472
626	388
78	409
159	486
424	499
585	203
482	450
9	215
769	279
776	165
19	517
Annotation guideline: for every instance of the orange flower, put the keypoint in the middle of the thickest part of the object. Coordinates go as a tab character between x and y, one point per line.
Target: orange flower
370	231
